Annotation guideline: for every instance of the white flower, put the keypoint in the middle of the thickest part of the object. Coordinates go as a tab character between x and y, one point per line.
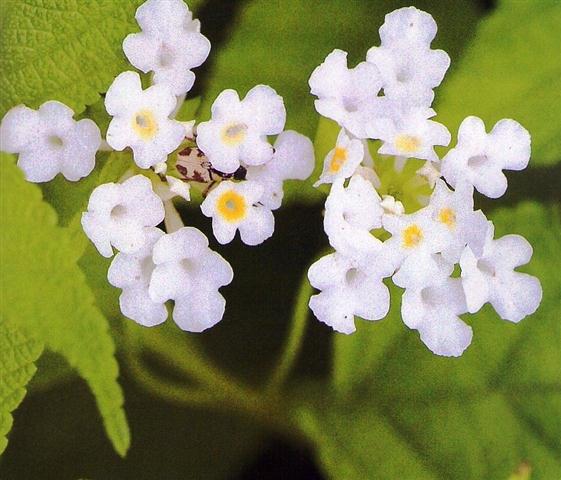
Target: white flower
132	273
408	25
480	157
234	206
343	160
408	67
190	274
172	187
415	241
49	141
491	277
118	215
350	214
433	311
170	44
238	129
141	120
411	134
346	290
293	160
392	206
348	96
454	210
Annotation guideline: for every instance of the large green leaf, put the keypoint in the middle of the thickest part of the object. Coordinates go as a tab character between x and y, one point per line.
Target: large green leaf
61	50
280	44
512	69
64	50
479	416
45	294
17	354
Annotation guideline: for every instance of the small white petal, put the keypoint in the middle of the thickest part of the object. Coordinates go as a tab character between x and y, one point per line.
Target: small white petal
141	120
118	215
479	158
516	295
189	273
238	129
266	108
348	96
233	206
343	160
49	141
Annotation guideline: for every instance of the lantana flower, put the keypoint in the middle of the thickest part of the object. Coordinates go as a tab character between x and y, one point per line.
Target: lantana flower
431	233
238	128
347	290
479	157
491	277
170	44
350	214
434	311
118	215
293	159
454	210
235	206
141	120
408	67
49	141
132	272
412	134
416	240
188	272
343	160
347	95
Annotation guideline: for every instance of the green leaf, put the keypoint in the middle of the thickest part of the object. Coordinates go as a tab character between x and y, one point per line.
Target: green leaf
46	295
512	69
17	354
479	416
280	44
62	50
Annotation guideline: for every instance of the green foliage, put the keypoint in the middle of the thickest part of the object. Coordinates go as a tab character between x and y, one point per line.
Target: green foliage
17	354
512	70
62	50
45	294
401	411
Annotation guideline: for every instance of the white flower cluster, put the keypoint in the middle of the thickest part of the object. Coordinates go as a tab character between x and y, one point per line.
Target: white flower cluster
388	98
229	157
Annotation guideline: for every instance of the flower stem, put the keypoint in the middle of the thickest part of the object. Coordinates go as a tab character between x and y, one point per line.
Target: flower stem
215	389
295	338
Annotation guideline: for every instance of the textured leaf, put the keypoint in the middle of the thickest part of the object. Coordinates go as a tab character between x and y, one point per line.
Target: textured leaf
512	69
280	43
62	50
17	354
480	416
46	295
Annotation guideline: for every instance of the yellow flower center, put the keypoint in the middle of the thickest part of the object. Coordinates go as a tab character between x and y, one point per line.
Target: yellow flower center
447	216
338	160
412	236
145	125
234	134
407	143
231	206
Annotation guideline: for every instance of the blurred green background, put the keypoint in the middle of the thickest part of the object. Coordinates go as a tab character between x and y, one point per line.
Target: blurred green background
373	405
